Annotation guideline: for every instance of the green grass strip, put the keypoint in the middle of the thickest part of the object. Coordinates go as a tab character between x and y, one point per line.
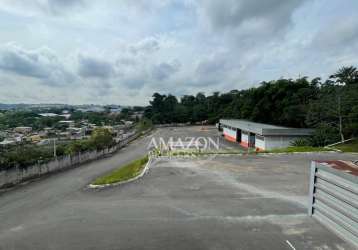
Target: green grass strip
350	146
124	173
298	149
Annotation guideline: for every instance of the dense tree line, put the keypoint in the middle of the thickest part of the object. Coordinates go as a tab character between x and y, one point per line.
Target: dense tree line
330	106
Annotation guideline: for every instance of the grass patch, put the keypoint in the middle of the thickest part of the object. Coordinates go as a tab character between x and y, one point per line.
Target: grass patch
124	173
298	149
350	146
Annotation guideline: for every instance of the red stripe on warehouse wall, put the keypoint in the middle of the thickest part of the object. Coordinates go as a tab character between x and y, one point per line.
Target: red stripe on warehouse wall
230	138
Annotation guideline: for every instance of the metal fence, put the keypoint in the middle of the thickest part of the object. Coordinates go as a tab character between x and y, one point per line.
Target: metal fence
334	200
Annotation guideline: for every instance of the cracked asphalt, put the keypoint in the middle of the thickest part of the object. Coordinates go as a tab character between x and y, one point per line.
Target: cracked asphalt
226	202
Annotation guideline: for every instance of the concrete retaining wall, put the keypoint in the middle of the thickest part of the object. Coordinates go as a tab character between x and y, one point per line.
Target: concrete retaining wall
15	176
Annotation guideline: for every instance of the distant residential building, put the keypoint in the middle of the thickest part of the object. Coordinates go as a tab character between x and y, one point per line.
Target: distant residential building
17	137
65	135
92	108
137	115
23	130
115	110
35	138
44	142
6	143
48	114
68	123
77	131
128	123
64	115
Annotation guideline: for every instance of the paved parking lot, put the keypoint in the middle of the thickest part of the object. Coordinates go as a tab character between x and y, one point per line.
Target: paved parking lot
227	202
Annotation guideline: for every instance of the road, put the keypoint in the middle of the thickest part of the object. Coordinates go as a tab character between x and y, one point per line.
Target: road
177	205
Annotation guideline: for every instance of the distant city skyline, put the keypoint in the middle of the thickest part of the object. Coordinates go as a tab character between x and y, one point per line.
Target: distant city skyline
121	52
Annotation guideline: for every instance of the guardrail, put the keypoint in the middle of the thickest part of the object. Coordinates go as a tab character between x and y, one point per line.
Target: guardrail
333	200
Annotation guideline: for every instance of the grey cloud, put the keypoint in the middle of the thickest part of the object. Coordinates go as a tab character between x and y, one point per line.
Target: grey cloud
59	6
213	69
135	82
93	67
147	45
164	70
41	64
214	64
342	33
65	3
145	5
231	14
126	61
48	7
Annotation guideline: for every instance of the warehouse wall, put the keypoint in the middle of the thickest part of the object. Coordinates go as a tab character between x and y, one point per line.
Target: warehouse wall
272	142
260	142
230	134
245	139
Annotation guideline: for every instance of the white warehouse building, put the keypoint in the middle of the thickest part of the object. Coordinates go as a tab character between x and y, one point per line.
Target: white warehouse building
261	136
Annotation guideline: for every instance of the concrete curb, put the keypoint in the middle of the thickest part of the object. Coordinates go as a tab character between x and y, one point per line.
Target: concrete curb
144	171
243	154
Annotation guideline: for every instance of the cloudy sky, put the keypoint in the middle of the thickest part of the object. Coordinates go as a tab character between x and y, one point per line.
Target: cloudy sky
121	51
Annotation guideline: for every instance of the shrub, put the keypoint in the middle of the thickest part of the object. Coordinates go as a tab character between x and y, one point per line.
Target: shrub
324	134
301	142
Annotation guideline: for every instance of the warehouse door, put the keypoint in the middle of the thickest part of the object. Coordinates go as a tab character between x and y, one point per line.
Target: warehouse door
252	140
238	135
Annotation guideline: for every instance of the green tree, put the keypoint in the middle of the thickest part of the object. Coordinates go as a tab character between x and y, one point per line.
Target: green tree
101	138
346	75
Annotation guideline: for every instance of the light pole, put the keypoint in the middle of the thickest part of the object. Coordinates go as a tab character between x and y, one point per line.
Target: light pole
54	148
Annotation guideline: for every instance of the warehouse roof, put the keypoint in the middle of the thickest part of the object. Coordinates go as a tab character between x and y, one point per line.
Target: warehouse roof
264	129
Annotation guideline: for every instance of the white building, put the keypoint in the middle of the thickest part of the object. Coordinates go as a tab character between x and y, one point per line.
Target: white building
261	136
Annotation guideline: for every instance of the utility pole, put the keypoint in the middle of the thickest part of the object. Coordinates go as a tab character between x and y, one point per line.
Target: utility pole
340	118
54	148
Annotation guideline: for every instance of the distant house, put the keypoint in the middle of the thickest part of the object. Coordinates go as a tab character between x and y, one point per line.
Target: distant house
91	108
48	114
115	110
128	123
65	135
64	115
23	130
137	115
44	142
6	143
67	123
35	138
